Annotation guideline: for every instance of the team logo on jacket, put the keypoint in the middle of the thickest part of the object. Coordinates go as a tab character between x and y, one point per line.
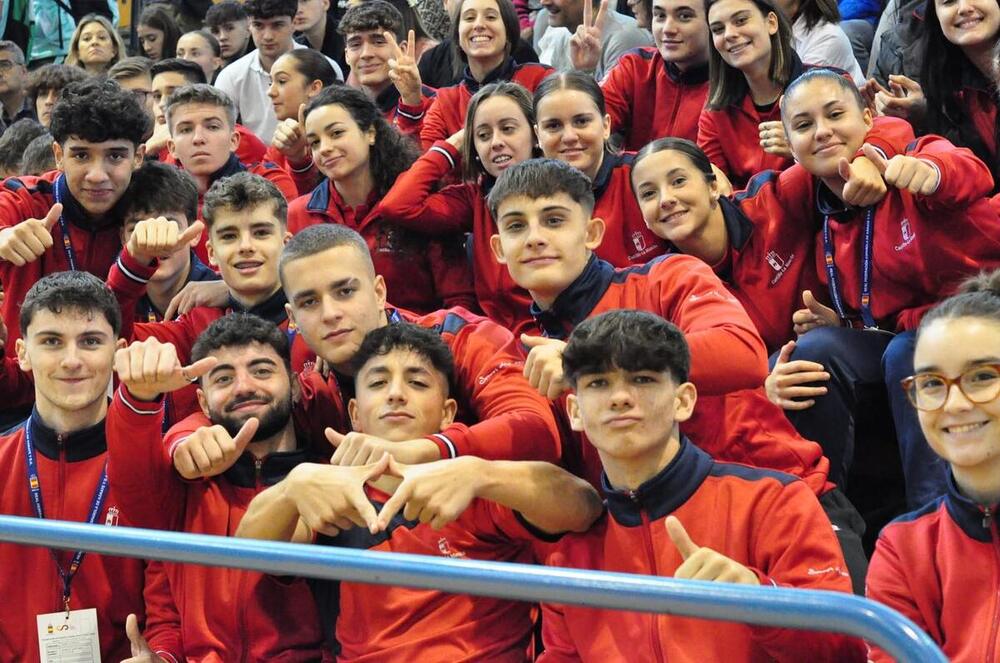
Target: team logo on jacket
906	230
112	518
778	264
641	245
445	548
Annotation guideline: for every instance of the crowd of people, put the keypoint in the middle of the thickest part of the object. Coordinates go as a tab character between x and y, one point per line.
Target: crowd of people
661	287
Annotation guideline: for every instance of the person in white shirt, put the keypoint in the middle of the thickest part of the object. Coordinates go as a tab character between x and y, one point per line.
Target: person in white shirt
818	37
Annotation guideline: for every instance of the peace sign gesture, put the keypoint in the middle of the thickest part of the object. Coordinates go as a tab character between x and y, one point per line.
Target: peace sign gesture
403	70
585	46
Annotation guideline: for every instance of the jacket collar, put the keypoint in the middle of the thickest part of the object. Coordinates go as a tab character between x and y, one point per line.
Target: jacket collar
231	167
611	161
575	303
273	468
664	493
387	99
830	205
78	445
967	514
739	229
502	73
271	309
74	213
693	76
198	271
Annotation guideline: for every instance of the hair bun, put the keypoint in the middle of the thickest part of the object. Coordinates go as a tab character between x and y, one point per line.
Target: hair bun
982	282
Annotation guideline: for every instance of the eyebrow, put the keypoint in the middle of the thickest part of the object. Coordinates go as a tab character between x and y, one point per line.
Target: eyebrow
500	121
326	128
60	334
825	106
255	225
382	369
969	364
255	362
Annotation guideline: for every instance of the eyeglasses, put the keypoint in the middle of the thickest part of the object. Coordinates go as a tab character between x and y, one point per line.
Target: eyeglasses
7	65
141	95
929	391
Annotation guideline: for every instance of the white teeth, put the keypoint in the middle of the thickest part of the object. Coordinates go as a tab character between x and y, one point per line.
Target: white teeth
503	158
966	428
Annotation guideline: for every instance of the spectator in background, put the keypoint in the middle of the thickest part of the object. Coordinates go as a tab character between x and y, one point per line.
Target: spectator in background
411	21
13	86
38	157
13	143
433	15
228	22
158	33
818	38
200	47
133	74
316	28
45	85
95	45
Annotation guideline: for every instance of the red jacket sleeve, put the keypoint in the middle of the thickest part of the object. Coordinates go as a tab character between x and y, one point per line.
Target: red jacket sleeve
451	272
16	387
138	470
412	203
709	142
163	622
888	582
305	177
409	120
515	422
727	353
128	279
559	647
617	98
436	120
279	178
964	178
19	202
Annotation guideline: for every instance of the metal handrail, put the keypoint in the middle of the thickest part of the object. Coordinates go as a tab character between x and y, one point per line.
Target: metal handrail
770	606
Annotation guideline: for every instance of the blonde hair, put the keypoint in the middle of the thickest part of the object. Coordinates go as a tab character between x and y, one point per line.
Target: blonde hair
73	58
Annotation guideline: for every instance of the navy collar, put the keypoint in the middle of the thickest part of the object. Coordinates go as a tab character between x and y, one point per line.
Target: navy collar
273	467
575	303
197	272
967	514
830	205
693	76
502	73
739	229
387	99
78	445
611	161
663	494
231	167
271	309
74	213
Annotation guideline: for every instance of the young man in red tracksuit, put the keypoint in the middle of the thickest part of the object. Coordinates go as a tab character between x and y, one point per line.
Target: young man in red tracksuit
336	298
201	120
402	382
657	92
940	565
674	511
245	215
54	465
68	219
246	388
546	238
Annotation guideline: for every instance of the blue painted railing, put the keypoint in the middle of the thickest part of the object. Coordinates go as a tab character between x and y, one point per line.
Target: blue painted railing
794	608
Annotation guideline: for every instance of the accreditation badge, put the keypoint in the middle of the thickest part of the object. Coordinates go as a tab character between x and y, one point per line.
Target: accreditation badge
69	637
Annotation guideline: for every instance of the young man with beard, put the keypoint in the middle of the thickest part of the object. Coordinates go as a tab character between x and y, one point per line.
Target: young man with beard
246	389
53	466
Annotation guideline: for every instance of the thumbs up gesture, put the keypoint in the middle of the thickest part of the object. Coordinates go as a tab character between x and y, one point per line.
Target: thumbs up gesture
149	368
211	450
30	239
915	175
543	367
813	315
158	237
863	183
290	139
702	563
141	652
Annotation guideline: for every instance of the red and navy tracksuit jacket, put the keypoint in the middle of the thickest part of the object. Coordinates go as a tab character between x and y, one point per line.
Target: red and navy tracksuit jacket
305	178
733	421
447	114
767	521
69	471
940	566
95	243
649	98
224	613
409	120
420	274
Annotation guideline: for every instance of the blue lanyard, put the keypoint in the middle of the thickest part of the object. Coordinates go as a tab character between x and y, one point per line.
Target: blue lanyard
67	242
35	490
866	270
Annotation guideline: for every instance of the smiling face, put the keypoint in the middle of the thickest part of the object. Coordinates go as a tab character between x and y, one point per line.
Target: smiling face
193	47
368	54
969	23
741	33
245	245
564	13
400	396
680	32
335	299
502	134
824	124
200	137
571	128
340	149
97	173
481	32
96	47
965	434
676	200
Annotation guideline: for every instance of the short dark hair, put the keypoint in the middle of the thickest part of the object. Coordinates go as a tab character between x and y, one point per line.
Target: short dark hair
372	15
54	77
157	17
406	336
240	192
200	93
157	188
313	65
238	330
76	290
192	71
97	110
689	149
322	237
541	178
13	142
977	297
130	68
822	74
511	26
271	8
226	11
629	340
7	45
38	157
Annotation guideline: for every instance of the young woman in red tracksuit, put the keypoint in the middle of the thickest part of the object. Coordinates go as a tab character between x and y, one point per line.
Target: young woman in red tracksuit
484	34
657	92
573	126
361	155
499	135
939	564
750	63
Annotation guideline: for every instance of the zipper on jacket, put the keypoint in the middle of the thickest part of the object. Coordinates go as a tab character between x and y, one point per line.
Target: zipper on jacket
647	541
258	471
990	522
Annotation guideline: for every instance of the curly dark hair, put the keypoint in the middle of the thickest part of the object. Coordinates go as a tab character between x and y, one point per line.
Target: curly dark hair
407	336
271	8
78	291
391	154
372	15
238	330
97	110
157	188
243	191
54	77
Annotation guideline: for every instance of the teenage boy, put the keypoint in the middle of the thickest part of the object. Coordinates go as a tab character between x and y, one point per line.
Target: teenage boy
402	382
171	74
69	219
54	468
316	27
246	80
674	511
228	22
335	298
133	74
247	388
382	63
46	84
203	141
